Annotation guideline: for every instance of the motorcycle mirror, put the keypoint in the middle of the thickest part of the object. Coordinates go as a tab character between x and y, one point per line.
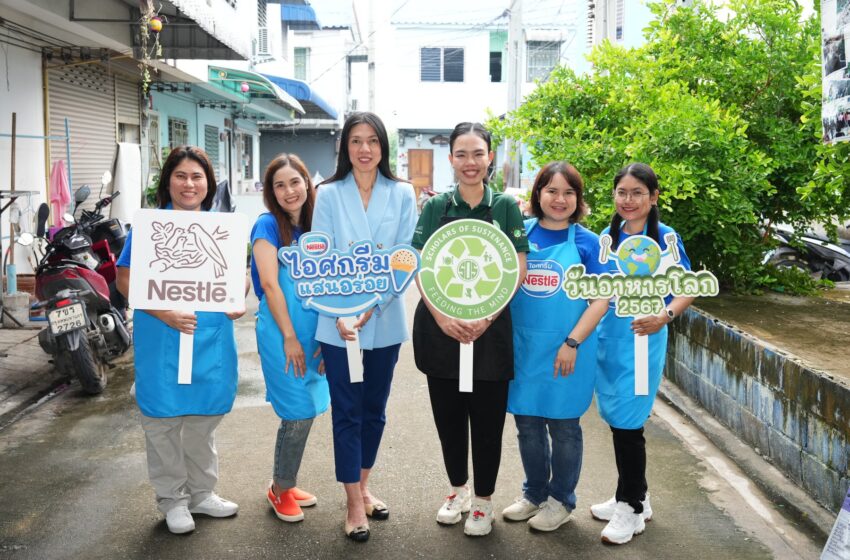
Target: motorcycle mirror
43	213
25	239
82	194
69	218
106	178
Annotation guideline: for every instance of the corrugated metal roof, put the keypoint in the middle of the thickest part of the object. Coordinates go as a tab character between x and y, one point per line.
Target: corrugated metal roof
487	13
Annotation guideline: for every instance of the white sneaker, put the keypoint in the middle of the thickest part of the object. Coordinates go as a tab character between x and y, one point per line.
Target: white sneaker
605	510
215	506
624	524
457	503
552	515
480	519
179	520
520	510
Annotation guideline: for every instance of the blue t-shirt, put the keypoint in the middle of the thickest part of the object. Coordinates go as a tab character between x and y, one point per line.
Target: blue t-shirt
124	257
586	242
266	228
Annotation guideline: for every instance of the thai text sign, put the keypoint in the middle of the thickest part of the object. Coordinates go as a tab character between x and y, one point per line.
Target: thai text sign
188	261
342	284
647	275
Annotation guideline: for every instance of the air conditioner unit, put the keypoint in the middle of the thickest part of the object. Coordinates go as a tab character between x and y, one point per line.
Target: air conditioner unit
263	46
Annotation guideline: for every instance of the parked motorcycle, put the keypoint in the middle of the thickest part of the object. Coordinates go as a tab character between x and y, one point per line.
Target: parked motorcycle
76	286
812	253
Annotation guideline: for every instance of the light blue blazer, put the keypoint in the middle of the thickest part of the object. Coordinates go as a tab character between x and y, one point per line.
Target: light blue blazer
389	220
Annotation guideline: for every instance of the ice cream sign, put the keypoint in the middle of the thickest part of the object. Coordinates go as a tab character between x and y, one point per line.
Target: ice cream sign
346	284
647	276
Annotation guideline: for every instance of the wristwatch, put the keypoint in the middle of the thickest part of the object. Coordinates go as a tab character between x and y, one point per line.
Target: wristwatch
669	313
571	342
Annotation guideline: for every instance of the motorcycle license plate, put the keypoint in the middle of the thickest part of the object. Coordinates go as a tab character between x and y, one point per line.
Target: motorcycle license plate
67	319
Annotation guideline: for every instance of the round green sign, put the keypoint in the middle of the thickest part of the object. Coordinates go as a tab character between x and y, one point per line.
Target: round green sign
469	269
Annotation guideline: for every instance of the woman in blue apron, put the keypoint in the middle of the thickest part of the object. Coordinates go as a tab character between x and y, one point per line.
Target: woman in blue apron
554	350
636	202
286	332
180	420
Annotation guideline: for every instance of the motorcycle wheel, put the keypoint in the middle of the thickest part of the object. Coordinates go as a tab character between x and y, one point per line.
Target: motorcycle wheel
89	370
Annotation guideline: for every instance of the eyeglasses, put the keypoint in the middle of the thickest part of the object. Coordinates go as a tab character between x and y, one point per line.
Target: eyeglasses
637	196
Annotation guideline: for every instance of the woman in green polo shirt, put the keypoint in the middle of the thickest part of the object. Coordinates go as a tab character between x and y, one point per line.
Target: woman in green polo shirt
437	338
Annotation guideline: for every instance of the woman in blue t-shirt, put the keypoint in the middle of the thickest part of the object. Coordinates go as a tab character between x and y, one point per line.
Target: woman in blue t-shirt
636	201
554	350
289	353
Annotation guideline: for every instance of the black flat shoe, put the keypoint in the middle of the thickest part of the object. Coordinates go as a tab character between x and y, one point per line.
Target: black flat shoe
377	510
357	534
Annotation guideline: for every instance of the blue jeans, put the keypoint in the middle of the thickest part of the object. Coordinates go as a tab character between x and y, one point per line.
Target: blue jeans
289	449
550	471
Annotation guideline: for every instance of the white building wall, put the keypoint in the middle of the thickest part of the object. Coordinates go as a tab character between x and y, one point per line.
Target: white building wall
440	105
24	96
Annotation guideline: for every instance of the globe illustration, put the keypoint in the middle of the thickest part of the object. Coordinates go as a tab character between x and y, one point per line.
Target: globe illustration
639	256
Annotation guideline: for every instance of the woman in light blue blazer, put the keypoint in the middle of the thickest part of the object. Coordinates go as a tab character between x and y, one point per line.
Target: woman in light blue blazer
362	201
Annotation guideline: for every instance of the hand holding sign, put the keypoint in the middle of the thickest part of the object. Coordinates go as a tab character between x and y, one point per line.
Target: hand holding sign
469	272
187	262
348	284
647	275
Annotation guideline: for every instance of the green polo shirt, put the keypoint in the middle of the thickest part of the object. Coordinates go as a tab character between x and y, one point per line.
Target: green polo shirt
505	212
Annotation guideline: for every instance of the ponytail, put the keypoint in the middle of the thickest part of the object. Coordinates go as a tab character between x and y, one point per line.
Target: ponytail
614	230
652	225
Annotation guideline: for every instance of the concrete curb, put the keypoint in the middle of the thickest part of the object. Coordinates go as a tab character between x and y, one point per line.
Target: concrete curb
779	488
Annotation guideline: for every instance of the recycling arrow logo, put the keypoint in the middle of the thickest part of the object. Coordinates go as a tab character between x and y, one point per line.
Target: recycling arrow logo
469	269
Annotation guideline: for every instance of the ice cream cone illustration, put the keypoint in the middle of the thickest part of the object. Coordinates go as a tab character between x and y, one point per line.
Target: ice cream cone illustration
403	263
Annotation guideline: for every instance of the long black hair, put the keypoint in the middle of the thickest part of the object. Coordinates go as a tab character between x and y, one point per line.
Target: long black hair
175	158
644	174
343	161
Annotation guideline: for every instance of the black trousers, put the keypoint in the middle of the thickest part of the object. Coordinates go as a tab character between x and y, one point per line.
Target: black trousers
480	413
630	454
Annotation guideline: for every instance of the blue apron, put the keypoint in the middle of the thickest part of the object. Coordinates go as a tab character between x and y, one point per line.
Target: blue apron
615	387
293	398
214	367
542	319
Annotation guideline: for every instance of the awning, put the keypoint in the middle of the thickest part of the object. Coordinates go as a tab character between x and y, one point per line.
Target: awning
314	105
299	16
262	96
216	20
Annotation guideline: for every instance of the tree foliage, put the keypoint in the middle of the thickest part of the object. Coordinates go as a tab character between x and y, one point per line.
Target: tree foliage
724	106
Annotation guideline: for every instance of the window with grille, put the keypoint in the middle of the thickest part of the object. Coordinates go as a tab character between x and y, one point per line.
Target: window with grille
441	64
261	13
620	18
211	144
302	63
178	132
543	56
248	157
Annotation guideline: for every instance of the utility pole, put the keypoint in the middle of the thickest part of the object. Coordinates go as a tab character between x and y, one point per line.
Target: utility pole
371	55
515	43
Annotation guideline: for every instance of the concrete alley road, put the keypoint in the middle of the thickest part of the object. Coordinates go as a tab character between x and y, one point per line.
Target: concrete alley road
74	485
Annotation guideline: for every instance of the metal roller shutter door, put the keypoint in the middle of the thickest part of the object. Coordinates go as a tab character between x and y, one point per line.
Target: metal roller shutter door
85	94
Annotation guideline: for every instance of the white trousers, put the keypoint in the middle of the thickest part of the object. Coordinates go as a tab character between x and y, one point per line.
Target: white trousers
182	459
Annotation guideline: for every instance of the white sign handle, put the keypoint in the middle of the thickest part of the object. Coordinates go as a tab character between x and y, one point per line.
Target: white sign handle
465	370
352	348
641	364
184	360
